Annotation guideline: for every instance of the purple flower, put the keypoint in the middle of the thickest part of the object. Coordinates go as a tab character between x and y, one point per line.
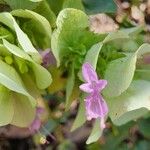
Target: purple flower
96	106
47	58
36	124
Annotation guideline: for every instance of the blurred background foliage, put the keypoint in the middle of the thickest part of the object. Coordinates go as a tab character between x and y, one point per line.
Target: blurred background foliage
134	135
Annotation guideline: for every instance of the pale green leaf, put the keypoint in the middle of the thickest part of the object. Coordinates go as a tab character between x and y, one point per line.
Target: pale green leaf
64	19
6	19
96	132
115	36
143	49
56	5
16	51
70	24
72	38
128	46
40	23
119	75
132	104
69	87
31	85
42	76
6	106
133	31
10	79
92	57
7	34
44	9
4	51
120	72
73	4
81	116
23	4
24	41
24	112
55	46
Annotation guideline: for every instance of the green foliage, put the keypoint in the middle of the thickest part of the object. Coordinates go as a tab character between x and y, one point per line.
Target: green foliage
44	9
37	27
40	73
24	112
22	4
10	79
73	4
99	6
92	56
144	127
116	36
56	5
69	87
5	105
115	138
8	20
71	30
17	105
19	61
130	105
117	57
64	33
80	118
96	133
124	68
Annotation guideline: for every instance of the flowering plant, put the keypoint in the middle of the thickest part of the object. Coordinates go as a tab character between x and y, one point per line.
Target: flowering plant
38	47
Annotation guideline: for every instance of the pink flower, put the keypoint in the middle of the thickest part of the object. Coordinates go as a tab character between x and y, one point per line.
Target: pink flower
96	106
36	124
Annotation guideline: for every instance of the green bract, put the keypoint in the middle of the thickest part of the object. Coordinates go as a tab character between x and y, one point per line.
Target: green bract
21	75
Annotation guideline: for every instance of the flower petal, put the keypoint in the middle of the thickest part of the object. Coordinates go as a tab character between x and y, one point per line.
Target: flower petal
86	87
39	110
35	126
47	58
103	107
89	112
89	73
102	84
96	107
